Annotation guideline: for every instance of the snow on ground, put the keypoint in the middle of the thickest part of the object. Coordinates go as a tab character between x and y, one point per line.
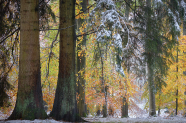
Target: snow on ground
163	118
141	120
134	117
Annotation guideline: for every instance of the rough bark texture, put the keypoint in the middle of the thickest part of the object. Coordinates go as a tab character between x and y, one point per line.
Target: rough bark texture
65	107
29	103
81	66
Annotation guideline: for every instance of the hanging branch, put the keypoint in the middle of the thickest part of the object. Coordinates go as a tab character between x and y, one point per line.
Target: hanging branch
50	54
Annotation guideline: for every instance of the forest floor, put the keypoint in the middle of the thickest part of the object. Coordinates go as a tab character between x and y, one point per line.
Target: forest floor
112	120
143	119
140	116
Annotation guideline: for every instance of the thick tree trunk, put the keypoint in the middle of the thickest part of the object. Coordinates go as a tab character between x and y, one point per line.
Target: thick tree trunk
81	66
29	103
65	104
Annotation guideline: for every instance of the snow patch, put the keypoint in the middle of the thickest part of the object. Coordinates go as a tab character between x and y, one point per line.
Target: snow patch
176	25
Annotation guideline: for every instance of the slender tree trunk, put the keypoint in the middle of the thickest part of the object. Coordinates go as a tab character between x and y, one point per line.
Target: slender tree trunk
29	103
105	112
81	66
185	103
184	27
159	103
127	10
124	107
176	102
152	107
65	104
177	84
151	87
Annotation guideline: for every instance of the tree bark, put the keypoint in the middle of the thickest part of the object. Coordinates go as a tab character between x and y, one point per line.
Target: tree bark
151	87
65	104
105	111
124	108
29	103
81	66
177	84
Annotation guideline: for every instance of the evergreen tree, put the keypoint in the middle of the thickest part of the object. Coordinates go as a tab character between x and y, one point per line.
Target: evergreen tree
9	28
159	23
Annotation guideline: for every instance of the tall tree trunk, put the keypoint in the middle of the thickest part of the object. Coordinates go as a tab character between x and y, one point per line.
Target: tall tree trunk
65	104
81	66
151	87
105	112
124	107
29	103
177	84
105	109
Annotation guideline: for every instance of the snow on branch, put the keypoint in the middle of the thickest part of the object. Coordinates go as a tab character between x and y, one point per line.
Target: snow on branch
176	25
110	28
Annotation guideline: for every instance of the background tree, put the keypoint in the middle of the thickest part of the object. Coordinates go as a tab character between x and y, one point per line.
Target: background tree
175	79
160	26
81	44
151	86
9	38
